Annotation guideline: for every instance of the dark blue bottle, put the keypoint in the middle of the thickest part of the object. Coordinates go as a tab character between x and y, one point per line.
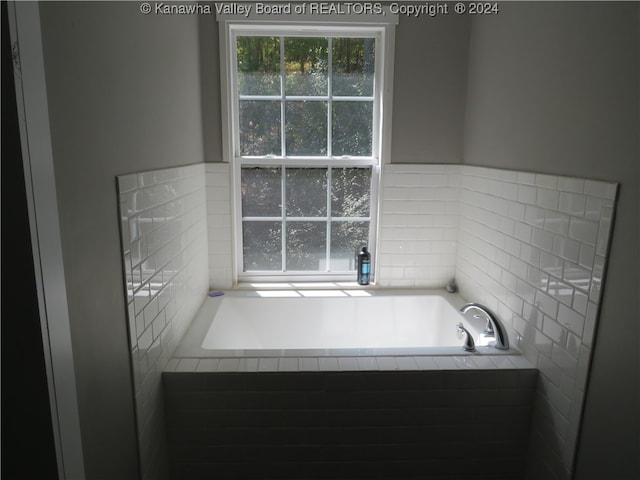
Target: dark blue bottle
364	266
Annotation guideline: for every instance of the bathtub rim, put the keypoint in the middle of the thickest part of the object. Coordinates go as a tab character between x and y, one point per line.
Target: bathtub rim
190	344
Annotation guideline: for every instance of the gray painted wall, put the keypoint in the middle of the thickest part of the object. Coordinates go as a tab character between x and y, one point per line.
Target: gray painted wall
429	89
124	96
553	88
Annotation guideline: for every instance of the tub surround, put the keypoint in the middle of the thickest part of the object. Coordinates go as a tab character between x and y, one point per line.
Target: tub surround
531	247
164	252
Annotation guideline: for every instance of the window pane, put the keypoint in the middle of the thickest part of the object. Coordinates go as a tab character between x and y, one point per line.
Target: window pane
258	65
305	61
347	238
350	192
262	246
260	128
306	128
306	192
353	66
306	246
352	128
261	191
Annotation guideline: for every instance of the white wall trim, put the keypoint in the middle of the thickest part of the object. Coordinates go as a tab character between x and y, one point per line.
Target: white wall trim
33	117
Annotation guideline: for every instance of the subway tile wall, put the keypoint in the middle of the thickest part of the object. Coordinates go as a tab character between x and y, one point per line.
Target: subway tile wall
418	225
219	225
164	252
533	248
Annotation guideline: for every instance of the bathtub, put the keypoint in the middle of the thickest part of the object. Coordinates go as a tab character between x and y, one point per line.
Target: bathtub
343	383
332	323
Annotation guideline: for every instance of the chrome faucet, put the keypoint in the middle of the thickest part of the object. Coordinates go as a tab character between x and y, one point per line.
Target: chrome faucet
469	344
494	326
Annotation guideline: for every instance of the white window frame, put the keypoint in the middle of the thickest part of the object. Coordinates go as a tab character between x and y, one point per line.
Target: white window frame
382	28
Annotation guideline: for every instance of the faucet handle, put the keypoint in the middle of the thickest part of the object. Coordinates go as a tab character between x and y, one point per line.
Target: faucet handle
469	344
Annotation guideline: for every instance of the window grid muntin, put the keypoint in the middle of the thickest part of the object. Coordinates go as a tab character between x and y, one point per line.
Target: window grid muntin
283	98
284	219
378	33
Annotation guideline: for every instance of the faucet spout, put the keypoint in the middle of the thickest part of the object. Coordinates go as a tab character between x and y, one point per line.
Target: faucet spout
502	341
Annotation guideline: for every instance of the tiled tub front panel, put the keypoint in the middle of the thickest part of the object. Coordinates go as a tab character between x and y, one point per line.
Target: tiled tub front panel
441	424
164	250
533	248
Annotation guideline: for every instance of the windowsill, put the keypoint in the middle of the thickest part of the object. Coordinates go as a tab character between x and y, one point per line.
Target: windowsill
301	286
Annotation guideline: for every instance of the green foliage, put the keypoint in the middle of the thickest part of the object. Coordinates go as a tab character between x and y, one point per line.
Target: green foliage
304	71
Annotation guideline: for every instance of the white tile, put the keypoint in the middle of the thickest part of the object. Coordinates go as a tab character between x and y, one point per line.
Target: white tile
328	364
547	198
406	363
287	364
542	343
577	276
527	194
593	209
266	364
538	278
526	178
309	364
572	204
530	254
534	216
187	365
551	264
542	239
549	369
426	363
387	363
570	184
600	189
348	364
584	231
446	363
547	304
207	365
590	324
554	330
587	256
560	291
523	232
566	248
516	211
509	191
547	181
602	241
556	222
367	363
580	301
571	320
573	345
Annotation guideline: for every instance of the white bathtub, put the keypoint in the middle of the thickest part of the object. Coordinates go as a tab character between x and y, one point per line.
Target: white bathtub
334	323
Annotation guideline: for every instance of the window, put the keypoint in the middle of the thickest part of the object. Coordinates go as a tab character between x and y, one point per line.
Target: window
305	130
